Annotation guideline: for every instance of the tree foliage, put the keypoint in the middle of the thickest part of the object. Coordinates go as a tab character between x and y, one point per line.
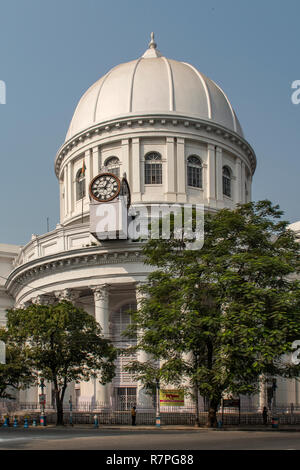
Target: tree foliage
224	315
63	344
16	373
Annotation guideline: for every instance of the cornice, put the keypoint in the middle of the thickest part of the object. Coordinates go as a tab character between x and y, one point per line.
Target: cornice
141	121
70	260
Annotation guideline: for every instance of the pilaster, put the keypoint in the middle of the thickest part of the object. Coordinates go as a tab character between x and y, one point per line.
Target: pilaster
136	183
210	184
125	160
181	171
238	181
95	160
170	170
219	175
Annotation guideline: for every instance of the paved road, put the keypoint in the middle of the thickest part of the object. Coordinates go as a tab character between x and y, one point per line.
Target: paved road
154	439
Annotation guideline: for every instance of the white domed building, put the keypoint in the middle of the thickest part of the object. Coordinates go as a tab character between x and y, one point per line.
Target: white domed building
175	134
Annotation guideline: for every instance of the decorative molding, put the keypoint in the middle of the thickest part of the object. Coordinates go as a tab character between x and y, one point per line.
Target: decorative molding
60	262
166	120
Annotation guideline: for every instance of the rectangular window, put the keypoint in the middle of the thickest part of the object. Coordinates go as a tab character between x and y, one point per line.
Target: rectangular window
194	177
153	173
125	398
226	186
80	189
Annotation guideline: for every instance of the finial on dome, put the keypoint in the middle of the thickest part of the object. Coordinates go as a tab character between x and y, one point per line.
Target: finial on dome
152	50
152	43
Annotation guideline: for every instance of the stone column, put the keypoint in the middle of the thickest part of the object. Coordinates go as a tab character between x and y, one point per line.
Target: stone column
136	183
101	299
88	159
171	173
125	168
181	171
250	189
95	159
238	181
66	190
70	189
219	174
210	184
65	213
143	400
243	183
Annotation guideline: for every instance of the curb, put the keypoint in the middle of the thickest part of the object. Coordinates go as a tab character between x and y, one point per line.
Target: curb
90	427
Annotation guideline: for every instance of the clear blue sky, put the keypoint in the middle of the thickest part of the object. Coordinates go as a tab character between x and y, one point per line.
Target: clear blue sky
52	51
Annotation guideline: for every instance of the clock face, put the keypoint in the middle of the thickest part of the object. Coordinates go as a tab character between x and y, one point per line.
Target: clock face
105	187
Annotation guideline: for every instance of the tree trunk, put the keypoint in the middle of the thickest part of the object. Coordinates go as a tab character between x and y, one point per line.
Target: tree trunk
212	413
197	422
59	396
60	412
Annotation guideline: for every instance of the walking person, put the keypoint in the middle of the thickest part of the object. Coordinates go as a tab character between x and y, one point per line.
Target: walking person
133	415
265	415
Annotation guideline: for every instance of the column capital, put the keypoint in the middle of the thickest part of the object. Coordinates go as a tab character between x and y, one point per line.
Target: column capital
66	294
43	299
100	292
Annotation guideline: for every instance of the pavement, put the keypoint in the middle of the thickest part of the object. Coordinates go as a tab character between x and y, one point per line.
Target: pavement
253	428
113	440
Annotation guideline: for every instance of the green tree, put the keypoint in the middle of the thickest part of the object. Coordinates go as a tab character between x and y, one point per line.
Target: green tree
15	374
64	344
223	316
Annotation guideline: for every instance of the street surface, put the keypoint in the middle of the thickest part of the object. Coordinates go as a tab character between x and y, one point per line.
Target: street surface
145	439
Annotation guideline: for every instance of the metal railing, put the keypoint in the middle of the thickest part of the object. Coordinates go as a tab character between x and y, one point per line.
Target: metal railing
83	413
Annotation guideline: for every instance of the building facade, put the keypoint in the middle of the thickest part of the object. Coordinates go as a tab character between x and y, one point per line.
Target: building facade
175	135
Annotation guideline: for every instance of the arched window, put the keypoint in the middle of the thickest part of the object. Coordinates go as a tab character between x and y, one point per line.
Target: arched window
194	171
112	164
153	168
80	185
226	181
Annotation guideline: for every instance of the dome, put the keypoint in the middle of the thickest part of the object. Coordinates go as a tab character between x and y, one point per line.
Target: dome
153	85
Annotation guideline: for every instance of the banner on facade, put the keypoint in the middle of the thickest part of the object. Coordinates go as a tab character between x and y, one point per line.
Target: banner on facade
171	397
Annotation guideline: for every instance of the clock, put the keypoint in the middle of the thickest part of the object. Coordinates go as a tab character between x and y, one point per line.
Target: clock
105	187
